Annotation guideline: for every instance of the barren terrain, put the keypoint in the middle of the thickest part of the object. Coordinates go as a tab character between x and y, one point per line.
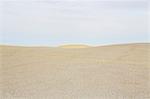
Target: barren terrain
106	72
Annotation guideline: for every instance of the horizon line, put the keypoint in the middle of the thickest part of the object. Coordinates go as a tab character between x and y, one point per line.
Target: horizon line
90	45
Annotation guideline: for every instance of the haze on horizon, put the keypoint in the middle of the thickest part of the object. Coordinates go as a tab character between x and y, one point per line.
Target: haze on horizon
57	22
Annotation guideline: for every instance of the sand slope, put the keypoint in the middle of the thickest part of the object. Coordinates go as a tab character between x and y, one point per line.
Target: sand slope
74	46
108	72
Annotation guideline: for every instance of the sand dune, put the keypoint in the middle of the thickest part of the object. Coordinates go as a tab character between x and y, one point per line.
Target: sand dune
72	46
107	72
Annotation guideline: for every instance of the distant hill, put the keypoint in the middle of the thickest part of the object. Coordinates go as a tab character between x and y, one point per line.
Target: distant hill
74	46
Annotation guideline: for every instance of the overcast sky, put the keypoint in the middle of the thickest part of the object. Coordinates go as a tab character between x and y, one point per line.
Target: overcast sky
56	22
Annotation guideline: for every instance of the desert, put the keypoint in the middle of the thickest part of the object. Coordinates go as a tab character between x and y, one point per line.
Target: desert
102	72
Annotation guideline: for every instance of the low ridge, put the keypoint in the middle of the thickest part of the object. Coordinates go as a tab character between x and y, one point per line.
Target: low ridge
70	46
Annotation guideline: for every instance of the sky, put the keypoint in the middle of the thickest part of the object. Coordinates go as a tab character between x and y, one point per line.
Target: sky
57	22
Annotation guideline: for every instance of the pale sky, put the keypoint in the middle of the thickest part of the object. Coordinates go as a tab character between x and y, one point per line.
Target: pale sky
56	22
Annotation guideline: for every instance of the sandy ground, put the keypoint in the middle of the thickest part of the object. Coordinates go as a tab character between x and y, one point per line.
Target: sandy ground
108	72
